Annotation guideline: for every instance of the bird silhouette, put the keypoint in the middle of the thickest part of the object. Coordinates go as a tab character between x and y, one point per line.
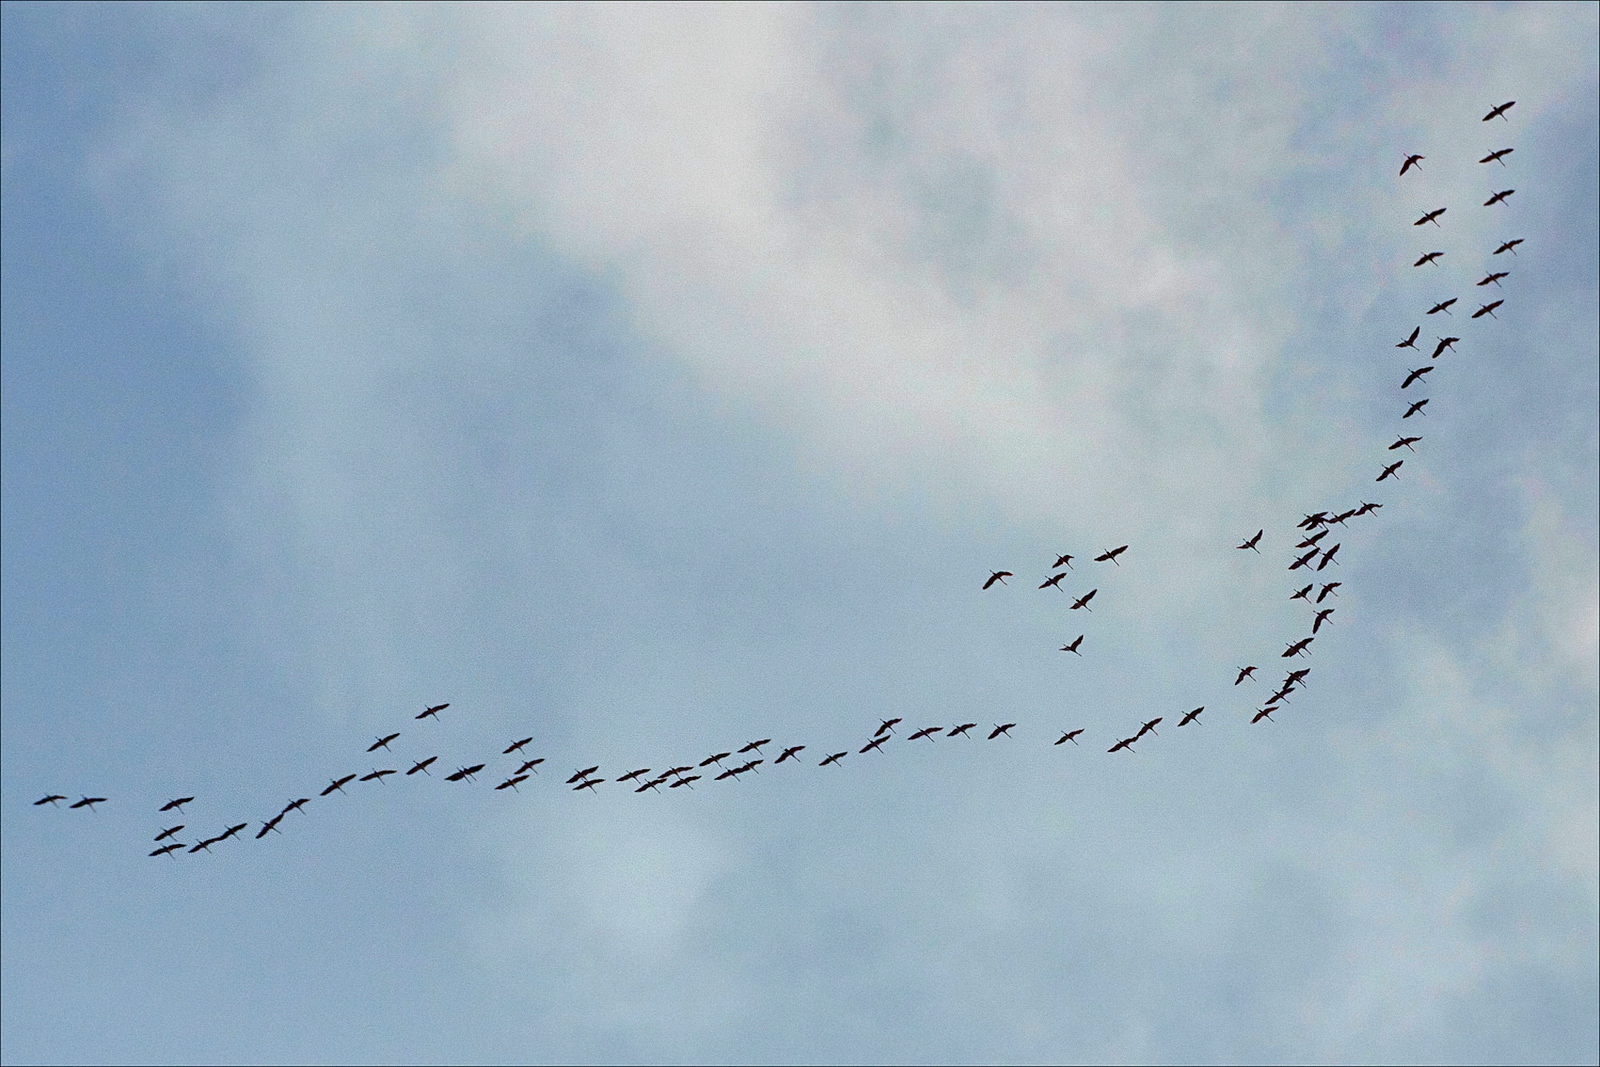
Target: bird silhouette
1297	648
270	826
755	746
232	831
875	743
1488	309
1366	508
591	783
716	758
1415	375
1443	305
1428	257
1410	342
587	771
1498	198
1498	157
961	731
172	805
1495	278
168	850
1322	617
1073	647
631	775
926	731
1264	713
1500	111
1001	728
998	576
205	846
338	784
1301	595
169	831
422	765
511	783
1303	560
835	758
1509	246
1070	735
1148	728
1411	161
789	753
1111	555
53	798
1053	580
1327	557
516	746
1313	539
1406	441
379	776
433	711
530	765
1416	408
1444	344
1432	216
1063	560
296	805
886	726
1252	542
382	742
1328	590
1192	716
88	802
1083	601
1248	672
1125	743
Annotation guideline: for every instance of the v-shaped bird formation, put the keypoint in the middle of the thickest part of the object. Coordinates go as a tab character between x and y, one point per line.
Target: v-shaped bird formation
1310	553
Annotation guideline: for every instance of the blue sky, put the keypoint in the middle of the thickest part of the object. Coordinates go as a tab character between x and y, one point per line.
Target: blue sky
655	380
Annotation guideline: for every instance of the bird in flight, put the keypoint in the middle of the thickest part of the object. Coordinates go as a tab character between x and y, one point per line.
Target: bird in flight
433	711
516	746
1311	522
1366	508
631	775
1001	728
1303	561
1488	309
1111	555
686	780
168	832
339	784
1053	580
1500	111
1322	617
1264	713
1192	716
1148	728
1328	589
89	802
1410	342
875	743
171	804
270	826
960	731
1301	595
511	783
1252	542
1314	538
205	846
1411	161
1125	743
1070	735
464	773
1498	198
997	576
1073	648
789	753
716	758
755	746
587	771
1427	257
1432	216
1495	277
1406	441
886	726
591	783
835	758
1443	305
1249	672
1062	560
1509	246
382	742
1415	375
295	805
1297	648
168	850
1445	343
1498	157
232	831
379	776
52	799
1083	601
422	765
1389	471
530	765
926	731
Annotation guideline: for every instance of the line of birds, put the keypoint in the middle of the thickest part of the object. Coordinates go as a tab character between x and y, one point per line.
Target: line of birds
1314	527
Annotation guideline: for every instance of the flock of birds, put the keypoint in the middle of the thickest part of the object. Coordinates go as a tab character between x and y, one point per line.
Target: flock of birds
1312	555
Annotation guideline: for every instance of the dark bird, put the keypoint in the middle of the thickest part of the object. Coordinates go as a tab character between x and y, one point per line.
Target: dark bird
52	798
1410	342
1054	579
1303	561
382	742
296	805
511	783
1495	277
725	775
1406	441
886	726
422	765
1001	728
687	780
998	576
89	802
1248	672
926	731
1488	309
653	783
377	775
339	784
1498	198
1281	695
1125	743
1343	515
1297	648
587	771
789	753
835	758
875	743
1191	716
464	773
1297	676
1327	557
1327	589
1509	246
1411	161
1070	735
1432	216
1083	601
679	770
1073	647
960	731
1111	555
749	765
1416	408
1148	728
1301	595
1313	539
716	758
1443	305
1427	257
1322	617
171	804
590	783
232	831
1366	508
1063	560
1264	713
1498	157
1415	375
270	826
168	850
433	711
1500	111
530	765
1444	343
631	775
205	846
169	831
755	746
1311	522
516	746
1252	542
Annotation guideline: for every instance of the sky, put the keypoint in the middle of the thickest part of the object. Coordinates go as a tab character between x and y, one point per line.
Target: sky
653	380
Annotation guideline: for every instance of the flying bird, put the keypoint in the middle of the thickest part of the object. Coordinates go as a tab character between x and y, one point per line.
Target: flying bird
1249	672
1498	198
1054	579
755	746
1297	648
1148	728
296	805
1500	111
875	743
1125	743
726	775
270	826
1443	305
339	784
1311	522
887	725
1509	246
1389	471
1322	617
1314	538
232	831
960	731
511	783
1253	542
998	576
168	850
1301	595
1192	716
586	772
422	765
1445	343
716	758
926	731
1063	560
1000	728
1264	713
169	831
379	776
433	711
52	798
1406	441
1416	408
1366	508
631	775
516	746
464	773
1410	342
89	802
1111	555
382	742
1498	157
1070	735
1073	648
1327	589
1415	376
171	804
590	783
686	780
530	765
1495	277
1083	601
789	753
1411	161
1432	216
1488	309
205	846
1428	257
835	758
1343	515
1303	561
